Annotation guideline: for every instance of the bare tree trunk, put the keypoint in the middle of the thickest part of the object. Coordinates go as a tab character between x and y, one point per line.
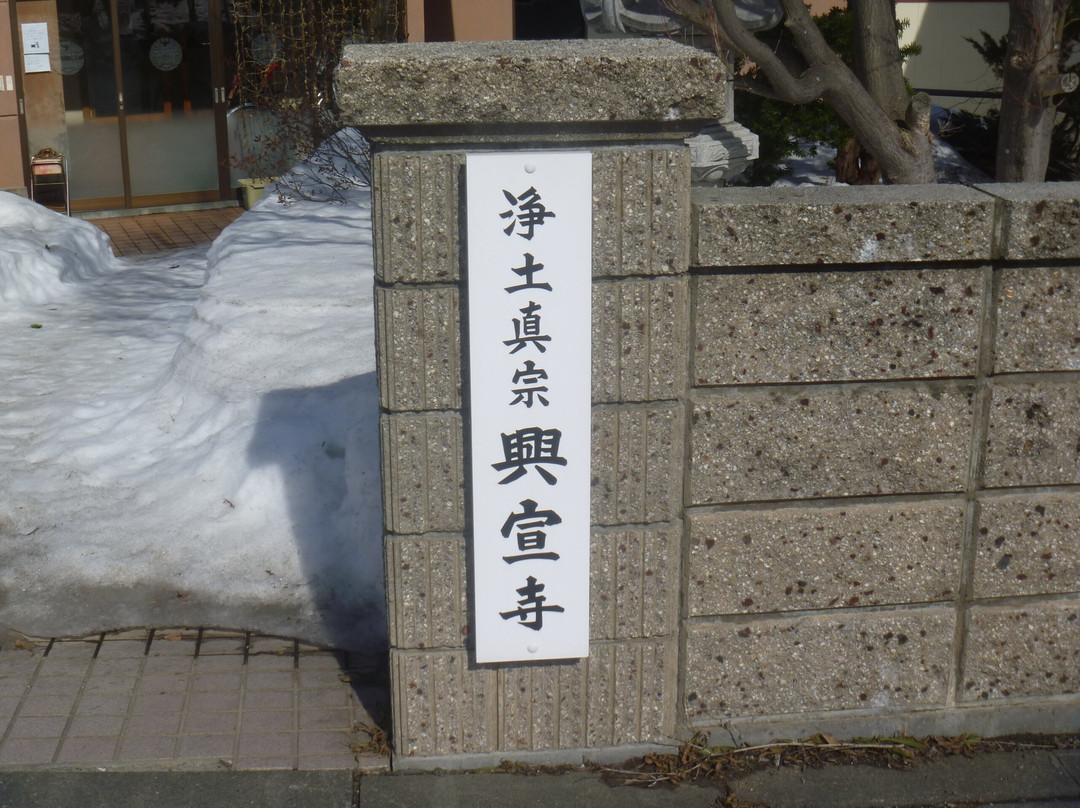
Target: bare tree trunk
1030	80
892	130
878	62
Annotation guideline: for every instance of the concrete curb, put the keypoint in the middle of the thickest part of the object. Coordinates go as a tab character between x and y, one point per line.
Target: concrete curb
1032	778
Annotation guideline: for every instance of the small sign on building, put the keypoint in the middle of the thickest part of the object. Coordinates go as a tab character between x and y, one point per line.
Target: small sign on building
529	232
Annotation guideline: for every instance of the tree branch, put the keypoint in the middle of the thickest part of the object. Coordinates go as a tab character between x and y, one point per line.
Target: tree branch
902	155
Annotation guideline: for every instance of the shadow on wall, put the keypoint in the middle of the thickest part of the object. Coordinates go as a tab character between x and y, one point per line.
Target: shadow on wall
325	441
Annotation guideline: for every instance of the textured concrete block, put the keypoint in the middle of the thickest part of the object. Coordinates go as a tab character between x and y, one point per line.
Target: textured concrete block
599	82
828	442
854	660
442	705
622	693
826	326
817	558
1037	220
1026	545
639	343
634	586
419	344
423	472
426	591
531	700
639	339
1034	435
637	459
1038	319
1031	650
415	214
833	225
635	582
641	211
631	692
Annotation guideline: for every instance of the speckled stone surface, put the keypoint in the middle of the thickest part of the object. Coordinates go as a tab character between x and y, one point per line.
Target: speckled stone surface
799	443
1015	651
418	337
1038	220
623	693
634	586
1034	434
1027	545
634	574
441	704
637	460
640	204
641	211
427	591
825	326
485	84
833	225
1038	319
423	472
818	558
856	382
853	660
639	343
639	336
415	216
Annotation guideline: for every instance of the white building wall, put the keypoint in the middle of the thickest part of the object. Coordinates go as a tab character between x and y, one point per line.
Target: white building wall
948	61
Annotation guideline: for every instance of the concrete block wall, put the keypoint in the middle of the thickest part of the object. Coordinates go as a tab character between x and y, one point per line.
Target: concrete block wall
884	452
625	693
836	431
631	105
839	493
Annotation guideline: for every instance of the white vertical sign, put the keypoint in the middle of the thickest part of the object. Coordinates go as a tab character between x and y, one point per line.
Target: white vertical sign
530	366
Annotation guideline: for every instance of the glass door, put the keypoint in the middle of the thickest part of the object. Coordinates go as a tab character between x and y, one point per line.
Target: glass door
169	96
133	95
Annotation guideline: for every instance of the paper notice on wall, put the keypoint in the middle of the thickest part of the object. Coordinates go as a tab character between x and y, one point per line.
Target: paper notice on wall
36	63
35	37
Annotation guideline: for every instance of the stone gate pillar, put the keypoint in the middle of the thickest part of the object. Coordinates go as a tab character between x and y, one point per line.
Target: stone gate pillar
631	103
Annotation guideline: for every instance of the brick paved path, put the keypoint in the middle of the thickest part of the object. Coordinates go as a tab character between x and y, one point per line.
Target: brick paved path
153	232
185	699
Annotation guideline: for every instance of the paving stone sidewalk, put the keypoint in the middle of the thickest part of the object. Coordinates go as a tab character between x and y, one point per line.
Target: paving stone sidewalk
186	699
166	230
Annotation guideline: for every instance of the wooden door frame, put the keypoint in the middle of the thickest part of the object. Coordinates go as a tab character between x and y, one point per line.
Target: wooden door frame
20	98
121	115
215	11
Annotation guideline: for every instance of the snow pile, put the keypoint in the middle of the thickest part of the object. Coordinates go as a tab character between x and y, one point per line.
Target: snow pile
816	169
340	164
192	438
951	167
41	252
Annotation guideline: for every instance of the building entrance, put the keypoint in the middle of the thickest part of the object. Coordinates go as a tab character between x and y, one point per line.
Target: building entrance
133	92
